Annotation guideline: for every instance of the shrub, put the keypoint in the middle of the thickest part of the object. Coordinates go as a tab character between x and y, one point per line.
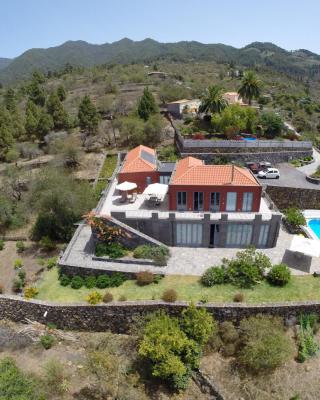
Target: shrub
159	254
117	279
214	276
108	297
90	281
30	292
47	341
144	278
238	298
279	275
1	244
47	244
123	298
198	324
77	282
94	298
247	269
51	262
265	345
228	332
168	349
65	280
157	278
170	296
103	281
112	250
18	263
56	380
20	246
294	216
1	288
307	344
17	285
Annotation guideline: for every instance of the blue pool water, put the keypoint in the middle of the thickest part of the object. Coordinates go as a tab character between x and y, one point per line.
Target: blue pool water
314	225
250	139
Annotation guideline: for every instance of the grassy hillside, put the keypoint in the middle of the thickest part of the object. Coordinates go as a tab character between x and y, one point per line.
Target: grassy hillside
79	53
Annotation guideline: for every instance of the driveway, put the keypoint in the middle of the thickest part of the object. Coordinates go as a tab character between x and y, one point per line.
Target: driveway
290	177
311	168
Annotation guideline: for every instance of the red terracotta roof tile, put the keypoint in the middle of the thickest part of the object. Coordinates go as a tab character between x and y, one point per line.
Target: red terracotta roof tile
140	159
191	171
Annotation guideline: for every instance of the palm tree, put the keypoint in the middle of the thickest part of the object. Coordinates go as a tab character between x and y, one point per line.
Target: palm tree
212	100
251	87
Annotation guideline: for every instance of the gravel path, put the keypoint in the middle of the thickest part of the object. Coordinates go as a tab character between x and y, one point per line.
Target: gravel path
311	168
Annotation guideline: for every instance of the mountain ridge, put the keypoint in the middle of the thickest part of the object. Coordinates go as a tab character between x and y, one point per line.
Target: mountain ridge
300	62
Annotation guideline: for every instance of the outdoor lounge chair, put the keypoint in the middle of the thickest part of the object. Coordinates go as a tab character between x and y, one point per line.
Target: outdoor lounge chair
133	197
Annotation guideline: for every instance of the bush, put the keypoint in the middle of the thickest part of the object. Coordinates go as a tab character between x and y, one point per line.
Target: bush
90	281
228	332
144	278
159	254
265	345
56	380
47	244
51	262
30	292
123	298
294	216
103	281
157	278
279	275
214	276
1	244
307	344
20	246
170	296
112	250
77	282
65	280
247	269
198	324
47	341
17	285
117	279
94	298
1	288
238	298
18	263
108	297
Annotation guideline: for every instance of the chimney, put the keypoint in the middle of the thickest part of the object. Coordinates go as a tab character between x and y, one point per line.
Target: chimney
232	172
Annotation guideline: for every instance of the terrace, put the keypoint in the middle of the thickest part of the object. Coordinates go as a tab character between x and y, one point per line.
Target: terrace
142	208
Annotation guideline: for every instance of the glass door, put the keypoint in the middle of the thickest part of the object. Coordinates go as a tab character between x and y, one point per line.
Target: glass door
198	201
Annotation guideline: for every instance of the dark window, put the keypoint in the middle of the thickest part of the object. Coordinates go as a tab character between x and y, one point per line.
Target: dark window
215	201
181	200
198	201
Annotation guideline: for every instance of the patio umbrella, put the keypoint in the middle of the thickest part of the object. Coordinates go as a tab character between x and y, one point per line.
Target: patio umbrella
309	247
158	190
125	186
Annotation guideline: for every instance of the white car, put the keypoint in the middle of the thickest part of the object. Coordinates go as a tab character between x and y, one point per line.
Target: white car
269	173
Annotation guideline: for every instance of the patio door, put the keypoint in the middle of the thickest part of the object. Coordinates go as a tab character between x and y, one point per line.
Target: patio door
189	234
197	201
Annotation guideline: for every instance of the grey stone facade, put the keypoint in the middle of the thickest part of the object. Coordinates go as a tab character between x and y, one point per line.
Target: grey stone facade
164	229
119	317
285	197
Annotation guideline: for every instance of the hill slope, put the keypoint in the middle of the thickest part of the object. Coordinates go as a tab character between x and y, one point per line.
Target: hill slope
80	53
4	62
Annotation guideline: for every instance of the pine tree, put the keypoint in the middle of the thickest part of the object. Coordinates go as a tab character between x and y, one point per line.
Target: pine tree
31	118
10	100
58	113
61	92
6	131
147	105
88	116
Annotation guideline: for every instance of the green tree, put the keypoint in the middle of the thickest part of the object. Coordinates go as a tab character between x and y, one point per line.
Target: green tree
31	118
197	324
10	100
6	131
36	93
61	93
58	113
271	123
45	125
212	101
60	202
250	86
152	130
131	130
147	105
88	115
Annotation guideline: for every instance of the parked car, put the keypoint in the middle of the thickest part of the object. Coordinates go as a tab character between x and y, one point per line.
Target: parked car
256	167
269	173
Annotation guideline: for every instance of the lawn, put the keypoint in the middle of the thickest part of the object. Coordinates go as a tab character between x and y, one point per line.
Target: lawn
106	172
188	288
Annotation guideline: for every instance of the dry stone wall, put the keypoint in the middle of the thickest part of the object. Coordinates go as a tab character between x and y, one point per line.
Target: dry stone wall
285	197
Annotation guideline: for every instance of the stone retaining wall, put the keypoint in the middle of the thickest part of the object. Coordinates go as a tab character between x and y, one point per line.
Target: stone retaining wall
118	317
285	197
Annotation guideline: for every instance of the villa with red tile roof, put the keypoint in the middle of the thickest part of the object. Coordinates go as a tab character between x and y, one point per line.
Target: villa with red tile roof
205	205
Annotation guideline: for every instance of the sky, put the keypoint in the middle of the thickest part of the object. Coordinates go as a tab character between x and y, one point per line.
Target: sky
26	24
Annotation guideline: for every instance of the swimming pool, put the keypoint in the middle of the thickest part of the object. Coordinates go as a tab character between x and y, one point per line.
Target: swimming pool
249	139
314	225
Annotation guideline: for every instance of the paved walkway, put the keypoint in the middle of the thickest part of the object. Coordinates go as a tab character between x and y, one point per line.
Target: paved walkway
311	168
183	260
